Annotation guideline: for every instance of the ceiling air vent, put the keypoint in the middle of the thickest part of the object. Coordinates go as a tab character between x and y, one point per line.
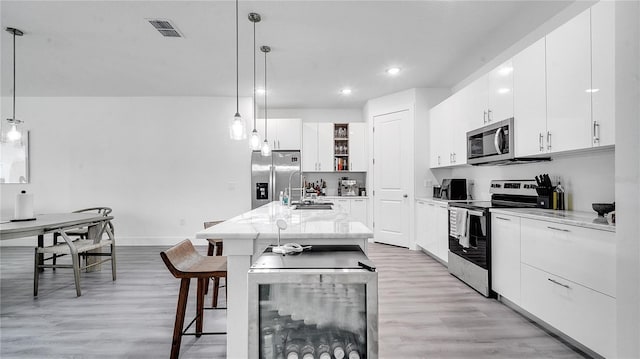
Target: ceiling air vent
165	27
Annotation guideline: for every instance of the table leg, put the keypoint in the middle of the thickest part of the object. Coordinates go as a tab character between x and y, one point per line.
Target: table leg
41	255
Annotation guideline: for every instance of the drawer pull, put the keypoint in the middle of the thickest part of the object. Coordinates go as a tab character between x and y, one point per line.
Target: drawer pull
558	283
502	218
558	229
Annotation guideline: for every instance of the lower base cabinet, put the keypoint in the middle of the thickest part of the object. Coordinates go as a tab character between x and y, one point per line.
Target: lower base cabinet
582	313
355	207
432	228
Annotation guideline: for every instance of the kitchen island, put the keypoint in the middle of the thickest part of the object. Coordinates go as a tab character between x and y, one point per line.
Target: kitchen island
247	235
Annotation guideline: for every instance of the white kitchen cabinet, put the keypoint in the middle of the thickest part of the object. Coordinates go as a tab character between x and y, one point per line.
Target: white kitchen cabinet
603	73
359	207
439	145
282	133
343	204
357	147
431	220
505	256
317	147
441	231
448	133
489	98
582	313
530	100
585	256
500	93
421	223
568	64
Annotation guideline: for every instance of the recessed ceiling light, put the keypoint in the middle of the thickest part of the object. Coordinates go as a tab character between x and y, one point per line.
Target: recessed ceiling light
393	70
346	91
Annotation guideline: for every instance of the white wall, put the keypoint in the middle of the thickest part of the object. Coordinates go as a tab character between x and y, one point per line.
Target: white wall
164	164
627	179
586	177
337	115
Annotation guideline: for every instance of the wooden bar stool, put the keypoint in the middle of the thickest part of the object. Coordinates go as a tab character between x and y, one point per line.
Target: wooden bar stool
215	246
184	262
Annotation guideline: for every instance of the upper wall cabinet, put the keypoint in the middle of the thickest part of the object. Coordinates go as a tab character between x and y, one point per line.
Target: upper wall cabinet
489	98
568	52
282	133
603	72
357	147
317	147
530	100
448	130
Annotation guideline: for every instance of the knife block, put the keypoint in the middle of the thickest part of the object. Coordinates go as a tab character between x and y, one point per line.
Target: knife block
545	197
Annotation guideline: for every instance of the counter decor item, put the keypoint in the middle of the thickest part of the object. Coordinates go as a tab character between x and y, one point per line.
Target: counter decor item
23	210
603	208
549	196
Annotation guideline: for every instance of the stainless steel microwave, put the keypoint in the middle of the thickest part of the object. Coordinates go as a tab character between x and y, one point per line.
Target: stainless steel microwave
491	143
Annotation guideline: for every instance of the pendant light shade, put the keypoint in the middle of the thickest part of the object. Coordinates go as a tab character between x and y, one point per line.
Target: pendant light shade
237	129
14	133
266	149
254	140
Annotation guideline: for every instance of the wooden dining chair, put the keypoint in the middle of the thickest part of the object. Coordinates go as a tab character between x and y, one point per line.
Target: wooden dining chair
215	248
77	249
81	233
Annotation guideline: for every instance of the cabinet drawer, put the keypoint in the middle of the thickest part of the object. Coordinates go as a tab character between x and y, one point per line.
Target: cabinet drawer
585	256
583	314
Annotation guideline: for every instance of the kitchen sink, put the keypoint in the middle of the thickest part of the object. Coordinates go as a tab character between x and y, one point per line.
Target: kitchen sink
316	206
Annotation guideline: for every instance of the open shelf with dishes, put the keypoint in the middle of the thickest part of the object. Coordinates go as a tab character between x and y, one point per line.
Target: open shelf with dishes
341	147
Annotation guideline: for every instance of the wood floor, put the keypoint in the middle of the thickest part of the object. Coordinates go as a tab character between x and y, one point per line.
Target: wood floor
424	313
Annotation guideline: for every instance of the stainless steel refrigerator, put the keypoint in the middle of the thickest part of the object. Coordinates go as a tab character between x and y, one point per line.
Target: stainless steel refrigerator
270	175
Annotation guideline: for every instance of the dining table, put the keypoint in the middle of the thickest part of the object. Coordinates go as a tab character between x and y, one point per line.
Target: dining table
50	223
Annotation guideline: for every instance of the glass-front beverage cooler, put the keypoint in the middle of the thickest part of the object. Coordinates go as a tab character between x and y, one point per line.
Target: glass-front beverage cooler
319	304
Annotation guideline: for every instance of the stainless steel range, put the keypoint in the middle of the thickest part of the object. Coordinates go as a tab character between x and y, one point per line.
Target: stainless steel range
470	231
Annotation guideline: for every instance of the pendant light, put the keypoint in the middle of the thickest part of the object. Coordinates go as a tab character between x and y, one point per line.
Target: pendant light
14	134
266	150
237	129
254	140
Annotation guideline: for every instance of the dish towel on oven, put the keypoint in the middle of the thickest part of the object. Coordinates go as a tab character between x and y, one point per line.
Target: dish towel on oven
458	222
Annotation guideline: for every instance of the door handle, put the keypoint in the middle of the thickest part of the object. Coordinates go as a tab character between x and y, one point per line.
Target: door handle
497	142
548	140
405	195
558	283
540	141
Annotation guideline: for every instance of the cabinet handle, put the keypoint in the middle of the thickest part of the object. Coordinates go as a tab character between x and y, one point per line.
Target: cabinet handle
548	140
450	157
502	218
438	159
278	144
558	229
596	132
454	157
489	116
484	117
558	283
359	200
540	141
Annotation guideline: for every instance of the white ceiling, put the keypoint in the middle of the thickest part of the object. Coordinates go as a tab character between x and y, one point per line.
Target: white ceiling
107	48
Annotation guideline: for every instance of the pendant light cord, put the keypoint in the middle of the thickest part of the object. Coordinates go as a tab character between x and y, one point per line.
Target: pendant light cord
237	66
265	95
254	75
14	76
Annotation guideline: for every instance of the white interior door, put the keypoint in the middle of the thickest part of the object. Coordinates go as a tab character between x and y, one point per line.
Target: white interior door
391	178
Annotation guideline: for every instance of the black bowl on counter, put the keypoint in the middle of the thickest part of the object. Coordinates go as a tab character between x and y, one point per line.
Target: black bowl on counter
603	208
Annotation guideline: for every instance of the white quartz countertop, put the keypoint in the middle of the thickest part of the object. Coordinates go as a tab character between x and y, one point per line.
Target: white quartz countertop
573	218
260	223
439	200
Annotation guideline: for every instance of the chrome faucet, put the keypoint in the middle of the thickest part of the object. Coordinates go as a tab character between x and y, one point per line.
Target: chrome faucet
289	188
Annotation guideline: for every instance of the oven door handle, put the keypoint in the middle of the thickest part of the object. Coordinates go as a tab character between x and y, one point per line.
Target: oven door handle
497	141
475	213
